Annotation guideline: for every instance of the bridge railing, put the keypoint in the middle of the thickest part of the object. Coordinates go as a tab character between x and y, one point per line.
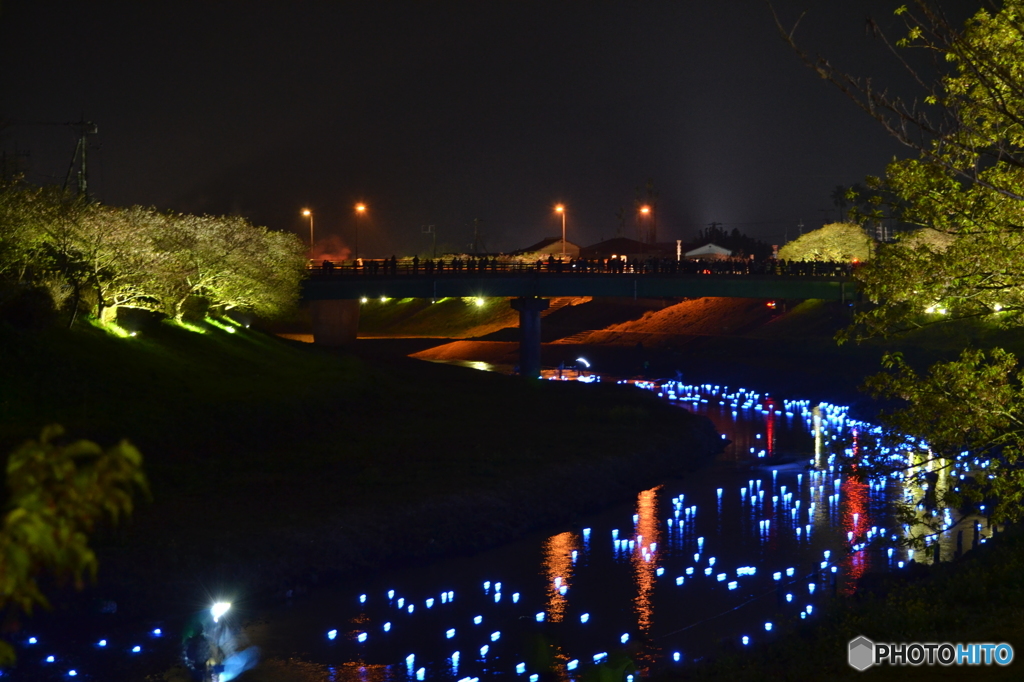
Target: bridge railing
478	267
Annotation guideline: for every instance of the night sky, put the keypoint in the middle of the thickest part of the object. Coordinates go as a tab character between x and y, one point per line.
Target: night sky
441	112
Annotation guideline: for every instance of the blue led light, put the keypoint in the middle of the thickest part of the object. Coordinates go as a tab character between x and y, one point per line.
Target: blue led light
478	619
51	658
136	649
450	633
361	637
676	656
157	632
540	617
624	638
32	640
484	649
387	626
571	665
495	636
102	642
520	668
332	634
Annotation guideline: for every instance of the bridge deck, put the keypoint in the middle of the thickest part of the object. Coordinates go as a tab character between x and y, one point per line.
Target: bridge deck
332	286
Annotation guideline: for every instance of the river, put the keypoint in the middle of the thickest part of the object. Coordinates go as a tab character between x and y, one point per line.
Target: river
767	533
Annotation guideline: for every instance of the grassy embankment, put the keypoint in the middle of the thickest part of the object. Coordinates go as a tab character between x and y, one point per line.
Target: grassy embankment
273	462
979	598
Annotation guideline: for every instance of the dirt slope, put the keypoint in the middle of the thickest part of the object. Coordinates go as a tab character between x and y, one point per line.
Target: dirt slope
696	317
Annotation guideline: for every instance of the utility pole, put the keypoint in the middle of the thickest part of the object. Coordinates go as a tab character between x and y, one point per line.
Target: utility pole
432	231
83	129
477	239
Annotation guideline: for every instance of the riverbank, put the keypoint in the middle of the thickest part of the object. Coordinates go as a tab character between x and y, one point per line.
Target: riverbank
276	466
979	598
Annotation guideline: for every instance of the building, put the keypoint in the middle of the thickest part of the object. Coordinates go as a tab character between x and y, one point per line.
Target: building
548	247
623	247
708	252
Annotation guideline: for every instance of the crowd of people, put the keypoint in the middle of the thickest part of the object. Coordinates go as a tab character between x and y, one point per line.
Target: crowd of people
618	264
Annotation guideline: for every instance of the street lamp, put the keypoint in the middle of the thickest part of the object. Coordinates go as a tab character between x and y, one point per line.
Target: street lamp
309	214
561	209
645	211
360	210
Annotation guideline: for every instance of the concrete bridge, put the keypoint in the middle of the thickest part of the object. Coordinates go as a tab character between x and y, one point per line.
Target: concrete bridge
335	295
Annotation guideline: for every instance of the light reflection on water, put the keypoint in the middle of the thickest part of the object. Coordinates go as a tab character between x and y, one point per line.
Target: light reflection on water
757	540
730	554
558	564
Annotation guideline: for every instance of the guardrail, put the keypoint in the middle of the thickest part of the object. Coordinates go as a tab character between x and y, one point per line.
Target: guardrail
484	267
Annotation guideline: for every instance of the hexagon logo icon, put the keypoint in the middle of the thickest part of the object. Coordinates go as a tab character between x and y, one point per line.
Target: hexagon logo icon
862	653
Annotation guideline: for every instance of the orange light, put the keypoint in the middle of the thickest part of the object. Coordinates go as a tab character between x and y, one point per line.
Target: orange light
645	210
558	566
559	209
361	208
306	212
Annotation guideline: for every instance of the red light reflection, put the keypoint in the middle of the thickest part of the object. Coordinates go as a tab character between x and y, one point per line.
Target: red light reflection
855	519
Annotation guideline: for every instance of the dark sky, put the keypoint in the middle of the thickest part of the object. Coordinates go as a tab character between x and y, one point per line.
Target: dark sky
441	112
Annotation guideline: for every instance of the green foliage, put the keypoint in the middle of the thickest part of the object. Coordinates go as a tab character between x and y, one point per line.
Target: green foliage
836	242
142	258
966	188
57	495
968	414
965	194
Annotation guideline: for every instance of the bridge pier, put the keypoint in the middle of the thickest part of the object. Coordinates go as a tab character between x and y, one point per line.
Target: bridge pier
529	333
335	321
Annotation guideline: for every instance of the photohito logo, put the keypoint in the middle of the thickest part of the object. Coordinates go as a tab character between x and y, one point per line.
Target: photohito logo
863	653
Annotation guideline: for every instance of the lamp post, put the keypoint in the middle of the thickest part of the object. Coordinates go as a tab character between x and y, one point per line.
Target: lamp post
309	214
561	209
645	211
360	211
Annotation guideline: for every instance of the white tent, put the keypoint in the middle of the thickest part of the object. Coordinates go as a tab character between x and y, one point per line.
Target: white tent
709	251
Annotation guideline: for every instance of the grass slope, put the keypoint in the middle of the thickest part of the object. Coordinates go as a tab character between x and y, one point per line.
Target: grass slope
977	599
270	459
